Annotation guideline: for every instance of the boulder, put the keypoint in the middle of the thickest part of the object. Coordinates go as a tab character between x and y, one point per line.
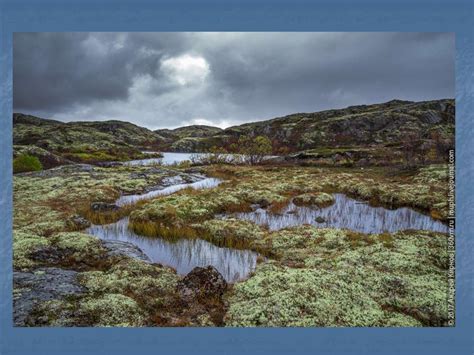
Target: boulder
201	284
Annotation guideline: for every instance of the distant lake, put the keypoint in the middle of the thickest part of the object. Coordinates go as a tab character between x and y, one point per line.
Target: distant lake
170	158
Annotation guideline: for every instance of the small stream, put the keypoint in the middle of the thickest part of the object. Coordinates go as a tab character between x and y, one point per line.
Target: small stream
345	213
205	183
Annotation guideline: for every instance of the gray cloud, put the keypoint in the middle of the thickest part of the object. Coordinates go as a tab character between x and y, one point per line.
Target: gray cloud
171	79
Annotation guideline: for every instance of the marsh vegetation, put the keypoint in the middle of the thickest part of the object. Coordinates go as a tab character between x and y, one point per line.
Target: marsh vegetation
337	233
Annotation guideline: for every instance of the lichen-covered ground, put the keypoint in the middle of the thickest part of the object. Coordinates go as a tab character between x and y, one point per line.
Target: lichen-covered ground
310	276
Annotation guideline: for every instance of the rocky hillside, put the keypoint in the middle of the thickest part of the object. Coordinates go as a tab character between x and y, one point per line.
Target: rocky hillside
184	138
189	131
367	131
392	132
82	141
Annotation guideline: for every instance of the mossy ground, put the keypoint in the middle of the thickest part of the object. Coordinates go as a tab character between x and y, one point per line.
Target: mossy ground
321	278
312	277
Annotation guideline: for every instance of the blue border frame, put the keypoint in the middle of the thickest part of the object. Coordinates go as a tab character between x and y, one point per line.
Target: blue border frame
257	15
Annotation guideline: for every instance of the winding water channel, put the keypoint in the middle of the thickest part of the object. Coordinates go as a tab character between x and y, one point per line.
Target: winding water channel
185	254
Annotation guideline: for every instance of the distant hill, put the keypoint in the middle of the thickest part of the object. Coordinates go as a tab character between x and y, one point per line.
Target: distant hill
364	130
366	133
184	138
189	131
84	141
355	125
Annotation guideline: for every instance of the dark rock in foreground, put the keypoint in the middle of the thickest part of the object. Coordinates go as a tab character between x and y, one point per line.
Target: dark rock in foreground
44	284
202	283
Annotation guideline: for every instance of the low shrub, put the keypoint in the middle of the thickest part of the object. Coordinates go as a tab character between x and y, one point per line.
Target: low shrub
26	162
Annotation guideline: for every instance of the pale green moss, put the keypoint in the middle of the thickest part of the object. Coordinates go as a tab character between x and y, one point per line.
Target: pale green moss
133	275
345	279
152	286
113	310
23	245
232	231
314	199
75	241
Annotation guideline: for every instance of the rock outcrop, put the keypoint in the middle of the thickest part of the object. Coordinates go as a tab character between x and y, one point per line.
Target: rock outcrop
41	285
202	283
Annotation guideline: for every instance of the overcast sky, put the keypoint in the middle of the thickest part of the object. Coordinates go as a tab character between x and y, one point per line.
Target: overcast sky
167	80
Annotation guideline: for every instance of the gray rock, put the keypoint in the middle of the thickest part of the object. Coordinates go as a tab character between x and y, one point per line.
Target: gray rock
109	164
61	170
44	284
134	176
263	203
50	255
320	219
119	248
104	207
77	222
202	283
172	180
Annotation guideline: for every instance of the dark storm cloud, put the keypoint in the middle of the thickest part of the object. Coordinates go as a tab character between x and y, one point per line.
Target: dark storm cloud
171	79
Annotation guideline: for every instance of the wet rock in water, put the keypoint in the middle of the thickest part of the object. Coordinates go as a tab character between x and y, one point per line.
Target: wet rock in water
320	219
119	248
291	212
263	203
104	207
202	283
44	284
77	222
254	206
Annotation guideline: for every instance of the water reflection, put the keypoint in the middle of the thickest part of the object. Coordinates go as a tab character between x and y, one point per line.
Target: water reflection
183	255
346	213
206	183
170	158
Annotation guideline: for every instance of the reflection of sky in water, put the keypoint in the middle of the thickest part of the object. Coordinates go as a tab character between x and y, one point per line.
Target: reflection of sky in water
346	213
170	158
183	255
